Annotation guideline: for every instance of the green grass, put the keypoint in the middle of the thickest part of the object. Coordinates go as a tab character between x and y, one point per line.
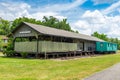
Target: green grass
36	69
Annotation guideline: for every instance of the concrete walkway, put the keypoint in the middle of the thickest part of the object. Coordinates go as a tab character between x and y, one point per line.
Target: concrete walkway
112	73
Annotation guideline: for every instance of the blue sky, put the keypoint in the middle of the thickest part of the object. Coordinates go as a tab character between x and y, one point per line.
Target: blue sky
86	16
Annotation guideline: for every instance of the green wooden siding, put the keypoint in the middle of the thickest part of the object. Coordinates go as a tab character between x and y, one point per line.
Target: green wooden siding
25	46
45	46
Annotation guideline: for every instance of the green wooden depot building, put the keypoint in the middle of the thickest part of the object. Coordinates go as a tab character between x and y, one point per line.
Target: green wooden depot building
43	40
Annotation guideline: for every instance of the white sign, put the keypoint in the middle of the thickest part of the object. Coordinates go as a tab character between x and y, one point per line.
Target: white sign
24	32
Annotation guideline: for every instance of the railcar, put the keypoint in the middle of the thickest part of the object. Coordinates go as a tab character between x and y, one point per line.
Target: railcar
106	47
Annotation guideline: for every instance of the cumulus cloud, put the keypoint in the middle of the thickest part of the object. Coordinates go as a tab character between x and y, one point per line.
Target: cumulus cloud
10	12
89	21
19	9
95	21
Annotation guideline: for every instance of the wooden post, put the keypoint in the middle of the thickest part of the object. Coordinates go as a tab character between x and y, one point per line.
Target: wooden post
93	53
45	55
14	43
53	55
37	46
85	53
81	53
67	54
74	53
57	55
70	54
84	46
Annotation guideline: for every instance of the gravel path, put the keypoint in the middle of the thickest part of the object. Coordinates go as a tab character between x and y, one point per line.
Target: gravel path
112	73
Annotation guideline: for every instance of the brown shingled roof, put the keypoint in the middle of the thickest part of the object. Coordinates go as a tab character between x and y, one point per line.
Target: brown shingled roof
58	32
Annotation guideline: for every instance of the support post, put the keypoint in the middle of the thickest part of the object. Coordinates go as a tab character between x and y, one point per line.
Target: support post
74	53
45	55
14	43
83	46
37	47
57	55
81	53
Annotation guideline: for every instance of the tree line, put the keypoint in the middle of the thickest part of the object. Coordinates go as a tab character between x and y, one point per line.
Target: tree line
105	38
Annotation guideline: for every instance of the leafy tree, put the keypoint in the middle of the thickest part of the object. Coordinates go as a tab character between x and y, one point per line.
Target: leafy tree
17	21
1	43
4	27
9	51
50	21
100	36
55	23
47	21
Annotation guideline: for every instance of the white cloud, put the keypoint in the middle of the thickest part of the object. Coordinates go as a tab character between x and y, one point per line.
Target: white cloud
61	7
112	8
103	1
10	12
13	11
82	26
39	15
94	17
89	22
94	21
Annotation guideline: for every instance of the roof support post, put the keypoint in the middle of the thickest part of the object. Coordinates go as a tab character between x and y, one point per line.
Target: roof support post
37	46
83	46
14	43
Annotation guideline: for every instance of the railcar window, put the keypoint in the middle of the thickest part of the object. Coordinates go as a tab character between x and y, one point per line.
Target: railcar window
101	44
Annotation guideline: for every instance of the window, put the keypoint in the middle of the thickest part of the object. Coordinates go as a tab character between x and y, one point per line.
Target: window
101	44
5	41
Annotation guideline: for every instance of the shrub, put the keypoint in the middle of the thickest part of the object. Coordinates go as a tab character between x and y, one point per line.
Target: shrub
9	51
24	54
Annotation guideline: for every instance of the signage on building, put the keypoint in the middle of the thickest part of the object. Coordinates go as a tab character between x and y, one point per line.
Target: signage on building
25	32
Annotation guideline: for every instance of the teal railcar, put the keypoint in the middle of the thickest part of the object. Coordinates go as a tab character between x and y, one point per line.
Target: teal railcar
106	47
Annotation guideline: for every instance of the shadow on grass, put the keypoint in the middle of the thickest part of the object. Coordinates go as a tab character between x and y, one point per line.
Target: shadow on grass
16	57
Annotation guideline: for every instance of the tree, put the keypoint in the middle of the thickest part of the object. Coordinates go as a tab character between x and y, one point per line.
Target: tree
1	43
55	23
50	21
17	21
4	27
47	21
100	36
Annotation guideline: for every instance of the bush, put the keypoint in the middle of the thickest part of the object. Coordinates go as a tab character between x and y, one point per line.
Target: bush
24	54
9	51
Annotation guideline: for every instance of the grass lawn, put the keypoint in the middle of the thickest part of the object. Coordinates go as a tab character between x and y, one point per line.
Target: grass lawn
36	69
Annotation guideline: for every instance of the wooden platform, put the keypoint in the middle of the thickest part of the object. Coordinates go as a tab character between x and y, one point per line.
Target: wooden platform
65	54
